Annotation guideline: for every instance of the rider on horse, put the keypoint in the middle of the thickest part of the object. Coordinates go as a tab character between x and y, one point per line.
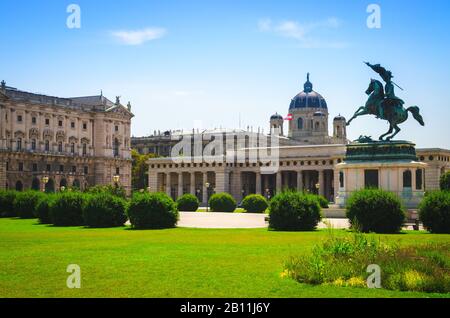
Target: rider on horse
390	99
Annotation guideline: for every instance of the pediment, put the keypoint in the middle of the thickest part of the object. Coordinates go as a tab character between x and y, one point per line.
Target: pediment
120	110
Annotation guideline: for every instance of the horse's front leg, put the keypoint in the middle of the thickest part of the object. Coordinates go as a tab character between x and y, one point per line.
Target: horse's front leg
357	113
391	128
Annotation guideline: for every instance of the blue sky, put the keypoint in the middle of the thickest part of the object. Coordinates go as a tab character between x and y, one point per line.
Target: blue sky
181	62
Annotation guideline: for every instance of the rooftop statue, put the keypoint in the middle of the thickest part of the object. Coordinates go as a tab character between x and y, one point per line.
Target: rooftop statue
384	104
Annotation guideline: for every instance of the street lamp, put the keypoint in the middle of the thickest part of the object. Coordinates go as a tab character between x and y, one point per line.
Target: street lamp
44	182
116	179
62	188
207	195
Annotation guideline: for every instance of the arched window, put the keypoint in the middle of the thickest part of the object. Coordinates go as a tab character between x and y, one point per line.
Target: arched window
116	147
35	185
47	145
419	179
317	125
33	144
407	179
300	123
19	144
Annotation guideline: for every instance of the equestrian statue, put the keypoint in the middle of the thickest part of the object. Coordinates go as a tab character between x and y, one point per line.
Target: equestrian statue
385	105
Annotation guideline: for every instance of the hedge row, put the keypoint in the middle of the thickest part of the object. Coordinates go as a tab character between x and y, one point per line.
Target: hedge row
96	209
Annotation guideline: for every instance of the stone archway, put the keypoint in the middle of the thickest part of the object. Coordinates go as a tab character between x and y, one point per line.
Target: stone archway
19	186
36	184
76	184
50	186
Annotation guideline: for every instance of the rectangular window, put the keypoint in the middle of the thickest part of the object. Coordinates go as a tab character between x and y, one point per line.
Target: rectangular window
49	168
371	178
33	120
19	118
116	128
72	124
20	166
47	121
86	170
61	168
341	179
35	167
117	171
84	126
60	123
74	169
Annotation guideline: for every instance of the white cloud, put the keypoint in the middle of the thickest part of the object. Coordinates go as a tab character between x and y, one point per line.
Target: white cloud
302	32
138	37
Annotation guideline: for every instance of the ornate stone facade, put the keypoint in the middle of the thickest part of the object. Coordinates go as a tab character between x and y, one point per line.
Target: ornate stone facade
75	142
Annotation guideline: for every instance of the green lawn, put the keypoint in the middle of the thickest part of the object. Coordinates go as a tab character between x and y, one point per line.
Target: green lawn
164	263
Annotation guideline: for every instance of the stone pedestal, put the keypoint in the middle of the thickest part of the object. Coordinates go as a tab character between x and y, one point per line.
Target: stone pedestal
391	166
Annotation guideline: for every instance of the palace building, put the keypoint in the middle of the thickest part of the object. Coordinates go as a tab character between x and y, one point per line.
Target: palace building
307	156
50	142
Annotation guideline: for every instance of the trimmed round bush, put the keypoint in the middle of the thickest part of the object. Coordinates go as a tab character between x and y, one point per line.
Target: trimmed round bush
294	211
222	202
375	210
67	209
323	202
152	211
25	204
104	210
255	203
434	212
43	208
444	182
188	203
7	198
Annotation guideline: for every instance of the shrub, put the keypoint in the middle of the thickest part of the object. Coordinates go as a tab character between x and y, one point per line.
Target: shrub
445	181
434	212
67	209
222	202
7	198
375	210
294	211
25	204
323	202
343	261
152	211
188	203
104	210
43	208
118	191
255	203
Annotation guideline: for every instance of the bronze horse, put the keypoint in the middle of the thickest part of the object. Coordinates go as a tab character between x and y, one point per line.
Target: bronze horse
383	108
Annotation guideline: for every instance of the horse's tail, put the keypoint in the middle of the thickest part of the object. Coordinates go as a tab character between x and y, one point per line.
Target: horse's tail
416	113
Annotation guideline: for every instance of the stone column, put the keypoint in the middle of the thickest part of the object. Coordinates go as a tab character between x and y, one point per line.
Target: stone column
153	181
258	182
299	181
278	187
168	187
321	182
413	180
192	188
205	190
180	184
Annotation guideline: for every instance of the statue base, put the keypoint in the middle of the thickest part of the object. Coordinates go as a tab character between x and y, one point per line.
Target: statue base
388	165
